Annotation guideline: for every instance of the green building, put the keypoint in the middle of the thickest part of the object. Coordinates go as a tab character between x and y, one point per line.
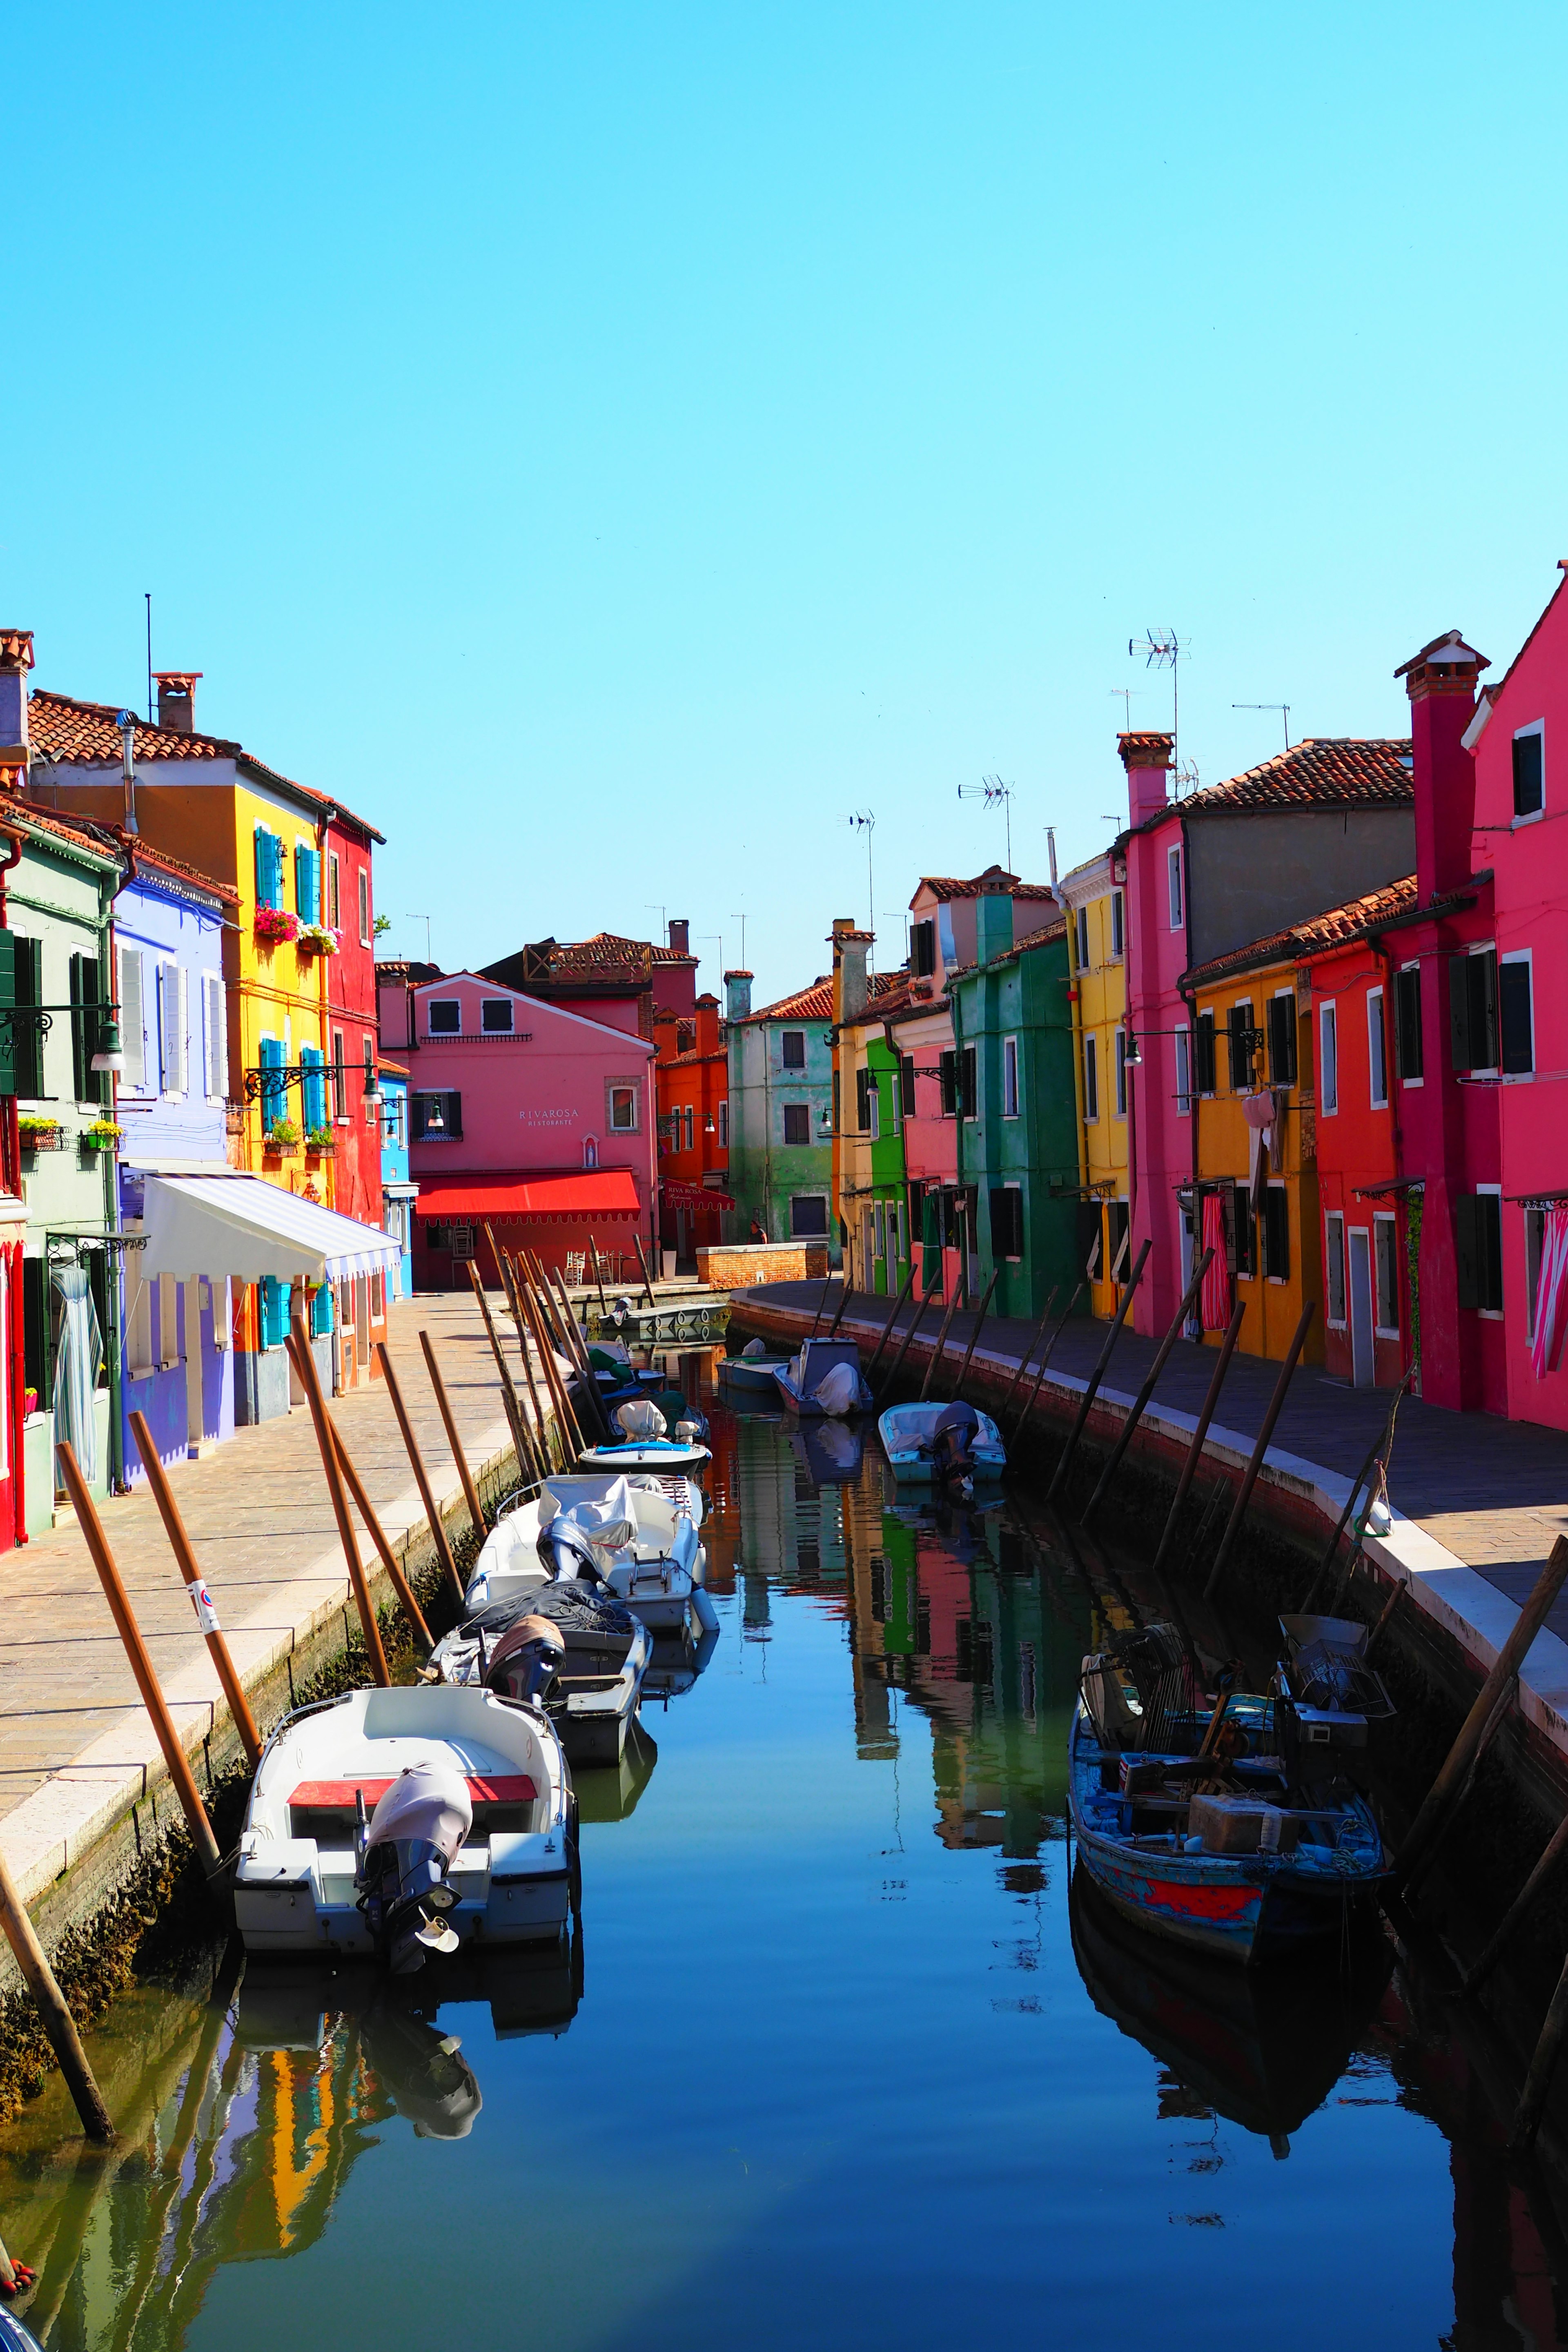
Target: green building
780	1114
877	1091
1017	1128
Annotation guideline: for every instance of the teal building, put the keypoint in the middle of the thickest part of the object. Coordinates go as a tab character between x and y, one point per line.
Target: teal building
780	1114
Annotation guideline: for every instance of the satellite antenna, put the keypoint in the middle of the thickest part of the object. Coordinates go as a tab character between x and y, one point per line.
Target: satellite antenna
1163	649
995	794
1187	778
865	821
1283	708
742	920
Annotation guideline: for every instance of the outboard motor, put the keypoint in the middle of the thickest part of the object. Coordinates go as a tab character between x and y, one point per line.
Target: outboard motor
527	1659
566	1550
952	1446
641	1421
405	1853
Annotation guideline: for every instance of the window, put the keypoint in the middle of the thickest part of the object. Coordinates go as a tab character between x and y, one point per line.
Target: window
1009	1078
1119	1219
365	906
907	1084
443	1017
307	882
1516	1028
724	1127
808	1215
495	1016
1174	886
1473	1009
1006	1221
132	1020
1376	1058
922	949
1329	1061
1206	1054
1185	1073
268	869
1082	938
91	1087
392	1118
1529	771
792	1046
334	897
1276	1233
1477	1222
1117	924
689	1120
623	1101
1409	1058
367	1063
173	1021
1334	1266
339	1077
1244	1227
274	1305
139	1335
968	1098
864	1092
947	1072
1282	1037
1385	1265
1122	1073
312	1087
168	1322
435	1118
215	1037
1091	1080
1240	1040
797	1123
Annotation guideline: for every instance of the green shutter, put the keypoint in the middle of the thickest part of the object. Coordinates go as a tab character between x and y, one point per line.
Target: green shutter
29	1036
8	1004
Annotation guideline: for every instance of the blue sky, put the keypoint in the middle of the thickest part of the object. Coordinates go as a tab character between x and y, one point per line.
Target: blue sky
610	445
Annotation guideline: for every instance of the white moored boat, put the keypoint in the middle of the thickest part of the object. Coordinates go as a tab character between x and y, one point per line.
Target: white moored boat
399	1821
638	1537
644	1445
950	1444
591	1693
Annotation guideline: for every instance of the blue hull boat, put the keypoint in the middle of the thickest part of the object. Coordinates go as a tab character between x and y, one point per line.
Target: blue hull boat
1254	1870
824	1377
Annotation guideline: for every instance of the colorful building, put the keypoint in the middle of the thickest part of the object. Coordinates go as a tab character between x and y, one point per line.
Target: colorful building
692	1077
1017	1129
398	1189
781	1113
1096	903
875	1079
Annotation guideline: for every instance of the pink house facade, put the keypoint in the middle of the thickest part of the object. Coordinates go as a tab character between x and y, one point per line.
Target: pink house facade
526	1117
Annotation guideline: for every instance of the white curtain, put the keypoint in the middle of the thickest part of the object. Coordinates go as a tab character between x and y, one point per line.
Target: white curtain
76	1372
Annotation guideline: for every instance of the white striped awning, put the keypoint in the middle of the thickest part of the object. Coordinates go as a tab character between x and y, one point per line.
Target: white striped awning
239	1226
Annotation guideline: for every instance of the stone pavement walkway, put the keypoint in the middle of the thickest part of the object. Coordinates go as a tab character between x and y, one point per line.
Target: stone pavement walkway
72	1727
1494	1493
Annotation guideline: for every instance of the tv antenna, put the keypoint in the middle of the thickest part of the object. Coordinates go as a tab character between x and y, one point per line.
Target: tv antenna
865	821
995	794
1163	649
1124	694
742	920
426	920
648	906
1187	778
1283	708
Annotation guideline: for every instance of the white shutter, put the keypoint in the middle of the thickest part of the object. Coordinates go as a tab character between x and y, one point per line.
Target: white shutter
214	1021
173	1023
183	1027
165	1026
132	1019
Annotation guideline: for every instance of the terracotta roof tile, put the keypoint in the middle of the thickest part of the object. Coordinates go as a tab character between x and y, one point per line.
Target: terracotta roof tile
1302	941
995	880
609	949
139	854
80	832
1334	770
812	1003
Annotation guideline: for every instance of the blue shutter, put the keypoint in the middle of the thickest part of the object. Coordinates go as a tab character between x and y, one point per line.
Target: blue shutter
263	867
315	885
274	1311
307	883
322	1312
313	1088
274	1094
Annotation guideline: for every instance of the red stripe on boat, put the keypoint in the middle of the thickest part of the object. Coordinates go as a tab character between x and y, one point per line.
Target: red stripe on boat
1224	1905
513	1788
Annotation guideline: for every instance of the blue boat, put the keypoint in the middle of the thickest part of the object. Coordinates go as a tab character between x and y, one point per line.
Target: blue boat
1210	1823
824	1377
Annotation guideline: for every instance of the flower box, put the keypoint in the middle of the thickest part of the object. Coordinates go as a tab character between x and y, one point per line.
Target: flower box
274	926
47	1135
316	939
101	1136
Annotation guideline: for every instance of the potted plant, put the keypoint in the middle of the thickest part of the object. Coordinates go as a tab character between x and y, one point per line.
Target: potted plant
316	939
281	1137
275	925
101	1136
37	1134
320	1139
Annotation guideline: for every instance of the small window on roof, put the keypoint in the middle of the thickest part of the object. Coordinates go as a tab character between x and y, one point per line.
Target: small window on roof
495	1016
443	1016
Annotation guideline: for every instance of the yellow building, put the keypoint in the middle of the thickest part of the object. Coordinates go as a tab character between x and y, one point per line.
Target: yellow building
1256	1194
1097	937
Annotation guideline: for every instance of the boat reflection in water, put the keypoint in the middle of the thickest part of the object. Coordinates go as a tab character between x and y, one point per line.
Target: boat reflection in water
829	1452
1263	2048
610	1793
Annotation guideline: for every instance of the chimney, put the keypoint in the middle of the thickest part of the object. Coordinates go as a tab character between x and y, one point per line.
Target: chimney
707	1024
1441	683
992	925
666	1034
15	661
680	937
738	994
850	948
1147	760
177	700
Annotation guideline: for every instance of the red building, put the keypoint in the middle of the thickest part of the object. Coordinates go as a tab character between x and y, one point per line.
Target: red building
693	1076
350	1030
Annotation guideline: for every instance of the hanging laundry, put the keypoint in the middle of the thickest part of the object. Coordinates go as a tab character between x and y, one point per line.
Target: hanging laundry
1213	1300
1550	1287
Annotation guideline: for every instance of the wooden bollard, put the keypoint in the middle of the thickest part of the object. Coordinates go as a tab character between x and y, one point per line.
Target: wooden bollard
153	1698
941	1341
1141	1402
206	1617
1195	1448
449	1423
54	2012
509	1284
884	1334
309	1381
1249	1479
421	1476
1095	1378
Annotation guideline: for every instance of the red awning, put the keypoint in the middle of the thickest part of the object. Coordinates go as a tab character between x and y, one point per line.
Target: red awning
692	1196
579	1193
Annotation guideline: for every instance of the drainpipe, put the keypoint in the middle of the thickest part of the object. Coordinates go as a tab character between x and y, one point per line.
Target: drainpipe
10	1168
114	1271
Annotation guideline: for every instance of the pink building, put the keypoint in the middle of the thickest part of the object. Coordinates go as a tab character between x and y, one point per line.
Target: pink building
524	1116
1519	736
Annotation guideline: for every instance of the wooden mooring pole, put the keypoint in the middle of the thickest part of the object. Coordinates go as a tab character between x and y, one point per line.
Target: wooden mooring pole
974	1335
1377	1447
449	1423
903	1347
421	1476
54	2012
528	1468
207	1616
598	1278
941	1340
1045	1359
1194	1451
1543	2066
1016	1382
153	1698
374	1527
885	1331
1095	1378
1141	1402
1249	1479
1556	1846
309	1381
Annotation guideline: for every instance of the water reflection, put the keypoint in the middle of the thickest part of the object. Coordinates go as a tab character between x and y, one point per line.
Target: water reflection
890	1681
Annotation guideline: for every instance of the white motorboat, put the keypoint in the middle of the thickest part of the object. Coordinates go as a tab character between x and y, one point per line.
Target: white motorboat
638	1537
953	1445
644	1444
752	1369
591	1695
401	1821
824	1377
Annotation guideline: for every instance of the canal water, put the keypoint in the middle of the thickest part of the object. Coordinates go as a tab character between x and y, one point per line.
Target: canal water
838	2055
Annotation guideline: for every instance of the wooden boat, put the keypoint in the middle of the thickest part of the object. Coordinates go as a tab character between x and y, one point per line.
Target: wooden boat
492	1848
751	1372
825	1377
925	1447
1194	1823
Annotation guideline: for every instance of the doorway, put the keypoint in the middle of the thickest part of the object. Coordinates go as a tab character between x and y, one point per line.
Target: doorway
1363	1369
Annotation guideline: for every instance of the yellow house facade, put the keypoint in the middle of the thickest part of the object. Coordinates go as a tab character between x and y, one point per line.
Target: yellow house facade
1095	900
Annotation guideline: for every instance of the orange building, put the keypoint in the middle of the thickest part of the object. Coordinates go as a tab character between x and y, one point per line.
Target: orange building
692	1075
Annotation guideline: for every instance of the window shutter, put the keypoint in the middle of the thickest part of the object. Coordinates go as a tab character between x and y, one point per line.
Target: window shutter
132	1020
907	1084
8	944
77	988
1282	1040
971	1096
181	996
1513	1004
214	1023
30	1043
948	1067
863	1099
1467	1244
452	1110
1459	1011
1480	975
